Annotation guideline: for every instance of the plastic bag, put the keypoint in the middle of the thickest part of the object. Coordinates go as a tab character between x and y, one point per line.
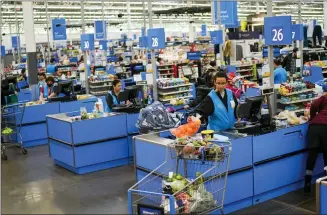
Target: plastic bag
189	129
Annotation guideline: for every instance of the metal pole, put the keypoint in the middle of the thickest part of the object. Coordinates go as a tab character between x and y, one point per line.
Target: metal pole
272	100
144	21
17	31
301	42
48	36
1	57
10	33
105	32
219	28
153	59
84	52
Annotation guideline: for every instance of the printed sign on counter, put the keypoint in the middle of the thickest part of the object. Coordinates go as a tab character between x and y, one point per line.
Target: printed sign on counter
228	12
194	55
156	38
216	37
297	32
143	209
100	30
59	29
103	45
278	30
87	42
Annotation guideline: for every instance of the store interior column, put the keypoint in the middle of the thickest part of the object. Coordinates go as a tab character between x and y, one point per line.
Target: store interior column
325	21
30	46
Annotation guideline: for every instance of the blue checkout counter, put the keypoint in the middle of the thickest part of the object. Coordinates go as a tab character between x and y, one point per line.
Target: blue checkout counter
90	145
261	167
33	119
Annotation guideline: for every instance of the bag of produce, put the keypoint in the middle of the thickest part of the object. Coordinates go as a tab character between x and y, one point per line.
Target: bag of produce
189	129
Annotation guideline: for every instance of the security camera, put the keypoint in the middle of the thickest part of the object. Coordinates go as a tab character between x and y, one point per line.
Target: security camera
120	15
191	22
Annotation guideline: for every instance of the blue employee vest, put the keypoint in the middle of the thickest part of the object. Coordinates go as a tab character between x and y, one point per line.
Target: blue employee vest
45	91
51	69
114	99
280	75
221	119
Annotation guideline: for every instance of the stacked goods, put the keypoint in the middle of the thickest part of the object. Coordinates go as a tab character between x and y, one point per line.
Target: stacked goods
166	83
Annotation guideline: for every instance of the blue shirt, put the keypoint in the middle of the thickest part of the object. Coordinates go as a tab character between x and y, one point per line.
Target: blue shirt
280	75
51	68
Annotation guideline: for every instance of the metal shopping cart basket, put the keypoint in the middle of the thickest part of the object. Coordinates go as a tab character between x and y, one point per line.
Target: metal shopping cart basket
192	180
11	120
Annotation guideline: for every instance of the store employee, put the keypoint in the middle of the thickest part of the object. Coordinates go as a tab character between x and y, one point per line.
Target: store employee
280	74
220	105
48	90
51	68
112	98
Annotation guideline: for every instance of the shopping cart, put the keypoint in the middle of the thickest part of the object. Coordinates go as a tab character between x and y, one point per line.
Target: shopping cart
191	181
11	120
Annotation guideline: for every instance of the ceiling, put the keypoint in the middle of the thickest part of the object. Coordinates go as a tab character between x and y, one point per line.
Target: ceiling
71	10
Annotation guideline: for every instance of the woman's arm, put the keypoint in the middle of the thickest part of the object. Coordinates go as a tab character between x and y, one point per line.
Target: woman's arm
110	101
52	95
315	107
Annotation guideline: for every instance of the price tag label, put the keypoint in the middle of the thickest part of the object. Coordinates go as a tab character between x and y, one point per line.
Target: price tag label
87	42
278	30
156	38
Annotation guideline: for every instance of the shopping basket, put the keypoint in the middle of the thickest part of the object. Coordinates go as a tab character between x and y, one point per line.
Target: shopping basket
190	181
11	120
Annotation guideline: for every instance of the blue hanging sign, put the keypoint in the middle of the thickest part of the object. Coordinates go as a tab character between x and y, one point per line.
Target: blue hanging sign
216	37
3	51
193	55
278	30
203	30
143	42
15	41
87	42
235	25
103	45
100	30
143	31
59	29
297	32
228	12
156	38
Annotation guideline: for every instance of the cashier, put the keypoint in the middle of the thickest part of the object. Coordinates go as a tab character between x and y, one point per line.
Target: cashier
317	136
48	89
51	68
112	98
220	105
280	74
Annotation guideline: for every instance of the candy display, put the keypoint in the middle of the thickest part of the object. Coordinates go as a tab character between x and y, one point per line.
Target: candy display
174	82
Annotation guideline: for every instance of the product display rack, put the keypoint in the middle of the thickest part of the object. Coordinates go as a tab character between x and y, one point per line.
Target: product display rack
100	87
166	71
174	91
297	101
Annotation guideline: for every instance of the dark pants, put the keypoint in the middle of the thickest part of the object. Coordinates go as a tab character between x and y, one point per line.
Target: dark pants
227	60
317	135
315	37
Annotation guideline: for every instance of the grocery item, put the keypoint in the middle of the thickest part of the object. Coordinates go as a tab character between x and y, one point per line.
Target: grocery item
190	128
7	131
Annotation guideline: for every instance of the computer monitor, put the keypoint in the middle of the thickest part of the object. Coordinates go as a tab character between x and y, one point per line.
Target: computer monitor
123	96
65	88
251	108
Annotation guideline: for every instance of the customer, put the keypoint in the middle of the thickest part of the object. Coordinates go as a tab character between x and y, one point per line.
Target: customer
317	135
280	74
220	105
22	75
51	68
227	50
48	90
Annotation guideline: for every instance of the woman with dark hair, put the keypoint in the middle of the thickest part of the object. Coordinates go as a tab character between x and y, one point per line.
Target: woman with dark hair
48	89
317	135
112	97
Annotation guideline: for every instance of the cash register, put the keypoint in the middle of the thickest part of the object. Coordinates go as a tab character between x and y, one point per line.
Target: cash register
133	94
253	121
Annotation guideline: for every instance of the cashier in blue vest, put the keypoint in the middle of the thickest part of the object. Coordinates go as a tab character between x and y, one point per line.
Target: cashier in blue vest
51	68
48	90
219	105
112	97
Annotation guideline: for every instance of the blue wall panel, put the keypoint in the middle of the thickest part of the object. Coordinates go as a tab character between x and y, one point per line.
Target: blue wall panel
61	152
59	129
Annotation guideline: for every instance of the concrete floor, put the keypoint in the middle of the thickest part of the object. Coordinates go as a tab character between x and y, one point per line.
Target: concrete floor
32	184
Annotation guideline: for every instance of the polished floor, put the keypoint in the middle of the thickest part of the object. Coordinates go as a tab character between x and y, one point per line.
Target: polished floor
32	184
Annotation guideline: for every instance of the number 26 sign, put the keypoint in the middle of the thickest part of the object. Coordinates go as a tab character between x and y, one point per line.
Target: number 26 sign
278	30
156	38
